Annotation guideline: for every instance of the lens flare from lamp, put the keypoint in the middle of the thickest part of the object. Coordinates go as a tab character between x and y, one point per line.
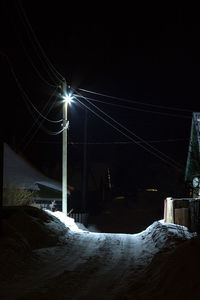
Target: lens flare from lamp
67	98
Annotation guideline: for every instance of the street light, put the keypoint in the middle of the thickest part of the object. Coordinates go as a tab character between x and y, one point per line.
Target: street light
67	99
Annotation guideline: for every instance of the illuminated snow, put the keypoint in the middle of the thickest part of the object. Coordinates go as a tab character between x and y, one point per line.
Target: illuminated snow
89	265
69	222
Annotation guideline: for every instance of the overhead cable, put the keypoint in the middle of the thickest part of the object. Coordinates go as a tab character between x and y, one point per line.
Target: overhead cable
136	109
130	138
35	68
36	122
57	75
116	142
138	137
128	143
136	102
122	126
25	96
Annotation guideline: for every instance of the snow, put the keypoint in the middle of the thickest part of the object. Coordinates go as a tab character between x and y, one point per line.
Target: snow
69	222
70	262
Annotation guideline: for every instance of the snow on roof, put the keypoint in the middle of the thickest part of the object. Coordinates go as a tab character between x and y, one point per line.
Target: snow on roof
18	171
51	184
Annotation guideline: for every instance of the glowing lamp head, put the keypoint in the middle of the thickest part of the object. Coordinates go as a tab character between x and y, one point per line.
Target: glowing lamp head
68	98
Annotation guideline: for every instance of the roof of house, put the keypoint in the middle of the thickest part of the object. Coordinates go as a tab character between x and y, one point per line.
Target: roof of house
193	159
18	171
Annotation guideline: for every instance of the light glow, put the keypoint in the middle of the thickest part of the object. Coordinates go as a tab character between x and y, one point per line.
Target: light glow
151	190
68	98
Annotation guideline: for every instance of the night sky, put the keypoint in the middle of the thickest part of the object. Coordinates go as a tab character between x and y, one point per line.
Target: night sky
143	54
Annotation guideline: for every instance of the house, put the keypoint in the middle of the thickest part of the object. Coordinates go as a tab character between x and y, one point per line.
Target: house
186	211
192	173
20	173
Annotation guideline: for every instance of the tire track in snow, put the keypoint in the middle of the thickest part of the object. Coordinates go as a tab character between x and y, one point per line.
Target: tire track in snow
50	263
88	266
118	255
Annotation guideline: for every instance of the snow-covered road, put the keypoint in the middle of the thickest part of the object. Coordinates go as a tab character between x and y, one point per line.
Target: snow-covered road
88	265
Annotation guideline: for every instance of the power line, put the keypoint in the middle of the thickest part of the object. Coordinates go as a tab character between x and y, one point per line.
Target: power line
53	70
40	126
51	66
136	102
136	142
26	52
114	142
25	96
130	138
133	133
43	128
37	119
37	122
137	109
128	143
29	104
34	66
34	46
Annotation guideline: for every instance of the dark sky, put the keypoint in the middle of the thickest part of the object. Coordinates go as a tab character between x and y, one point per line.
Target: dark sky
144	54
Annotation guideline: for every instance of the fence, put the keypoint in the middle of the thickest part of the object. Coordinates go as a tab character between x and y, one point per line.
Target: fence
80	218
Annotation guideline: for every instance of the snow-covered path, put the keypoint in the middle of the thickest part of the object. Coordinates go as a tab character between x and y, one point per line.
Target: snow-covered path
87	265
108	266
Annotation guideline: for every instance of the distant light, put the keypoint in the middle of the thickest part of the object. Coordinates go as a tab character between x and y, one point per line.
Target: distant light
151	190
68	98
119	198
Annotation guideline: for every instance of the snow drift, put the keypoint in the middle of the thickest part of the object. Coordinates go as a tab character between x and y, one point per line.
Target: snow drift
46	252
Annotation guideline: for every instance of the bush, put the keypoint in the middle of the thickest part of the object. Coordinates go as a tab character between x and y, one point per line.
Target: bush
14	195
34	204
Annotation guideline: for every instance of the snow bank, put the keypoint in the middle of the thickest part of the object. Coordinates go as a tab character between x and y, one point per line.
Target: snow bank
171	275
160	236
70	223
28	228
168	266
43	228
63	219
133	266
33	225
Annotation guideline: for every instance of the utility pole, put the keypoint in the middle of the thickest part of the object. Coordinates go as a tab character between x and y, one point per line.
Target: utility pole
1	181
64	152
85	182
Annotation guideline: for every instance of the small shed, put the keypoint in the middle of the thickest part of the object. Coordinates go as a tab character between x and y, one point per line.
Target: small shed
186	211
183	211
